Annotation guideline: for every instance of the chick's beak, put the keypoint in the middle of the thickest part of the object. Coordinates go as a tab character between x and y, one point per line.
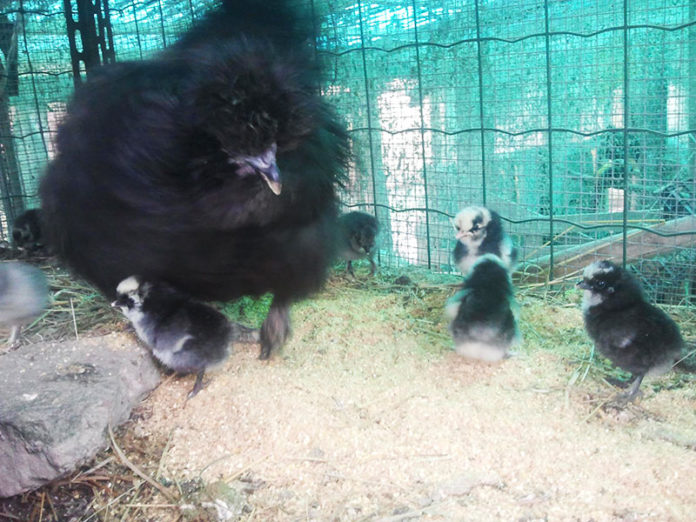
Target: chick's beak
583	284
122	301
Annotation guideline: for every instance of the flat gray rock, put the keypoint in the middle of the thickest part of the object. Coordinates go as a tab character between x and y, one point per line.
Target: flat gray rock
57	399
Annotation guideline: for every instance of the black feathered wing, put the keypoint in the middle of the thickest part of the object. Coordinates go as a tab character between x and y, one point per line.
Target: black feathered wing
637	338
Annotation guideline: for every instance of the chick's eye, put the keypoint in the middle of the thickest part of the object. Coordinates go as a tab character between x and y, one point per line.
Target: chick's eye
601	284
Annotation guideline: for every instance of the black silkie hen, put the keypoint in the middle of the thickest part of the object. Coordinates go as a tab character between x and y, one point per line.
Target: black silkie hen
483	324
184	335
632	333
357	235
479	232
212	166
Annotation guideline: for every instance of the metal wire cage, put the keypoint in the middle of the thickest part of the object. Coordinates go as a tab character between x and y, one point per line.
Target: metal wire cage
574	119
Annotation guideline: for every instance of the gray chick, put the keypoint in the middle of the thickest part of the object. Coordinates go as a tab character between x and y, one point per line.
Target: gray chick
184	335
26	230
23	296
358	232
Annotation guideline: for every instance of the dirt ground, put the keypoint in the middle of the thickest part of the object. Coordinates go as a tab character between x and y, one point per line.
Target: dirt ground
368	415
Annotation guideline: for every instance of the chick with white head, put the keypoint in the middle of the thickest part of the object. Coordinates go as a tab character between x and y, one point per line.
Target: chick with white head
184	335
634	334
479	231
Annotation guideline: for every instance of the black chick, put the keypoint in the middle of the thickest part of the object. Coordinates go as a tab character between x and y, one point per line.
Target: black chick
26	230
184	335
23	296
212	166
479	232
483	324
632	333
358	232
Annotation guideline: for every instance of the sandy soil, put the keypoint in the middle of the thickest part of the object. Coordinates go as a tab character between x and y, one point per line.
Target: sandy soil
367	415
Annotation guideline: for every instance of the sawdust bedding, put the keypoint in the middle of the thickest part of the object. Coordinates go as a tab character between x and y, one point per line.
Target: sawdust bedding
368	415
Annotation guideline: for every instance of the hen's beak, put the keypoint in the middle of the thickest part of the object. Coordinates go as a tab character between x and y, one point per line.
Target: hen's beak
265	165
271	176
582	284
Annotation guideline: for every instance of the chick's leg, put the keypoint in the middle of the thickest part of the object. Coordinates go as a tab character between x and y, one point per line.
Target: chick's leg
349	268
373	266
13	341
198	385
276	328
633	390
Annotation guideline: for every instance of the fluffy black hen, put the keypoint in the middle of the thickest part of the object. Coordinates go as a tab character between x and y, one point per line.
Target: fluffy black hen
625	328
212	166
357	234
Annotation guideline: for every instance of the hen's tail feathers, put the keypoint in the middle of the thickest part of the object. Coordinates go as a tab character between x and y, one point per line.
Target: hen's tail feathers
285	25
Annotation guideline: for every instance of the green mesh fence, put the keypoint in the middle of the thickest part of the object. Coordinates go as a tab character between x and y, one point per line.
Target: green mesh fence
574	119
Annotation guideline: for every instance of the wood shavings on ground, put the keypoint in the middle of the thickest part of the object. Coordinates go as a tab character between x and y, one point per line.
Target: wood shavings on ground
368	415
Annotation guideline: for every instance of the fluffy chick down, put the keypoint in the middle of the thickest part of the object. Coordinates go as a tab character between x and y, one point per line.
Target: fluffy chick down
479	231
357	236
184	335
23	296
634	334
483	324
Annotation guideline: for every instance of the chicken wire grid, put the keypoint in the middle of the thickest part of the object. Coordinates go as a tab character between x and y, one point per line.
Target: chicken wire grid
574	119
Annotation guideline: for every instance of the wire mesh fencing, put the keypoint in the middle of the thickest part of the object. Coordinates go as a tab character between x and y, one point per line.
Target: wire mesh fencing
574	119
37	77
